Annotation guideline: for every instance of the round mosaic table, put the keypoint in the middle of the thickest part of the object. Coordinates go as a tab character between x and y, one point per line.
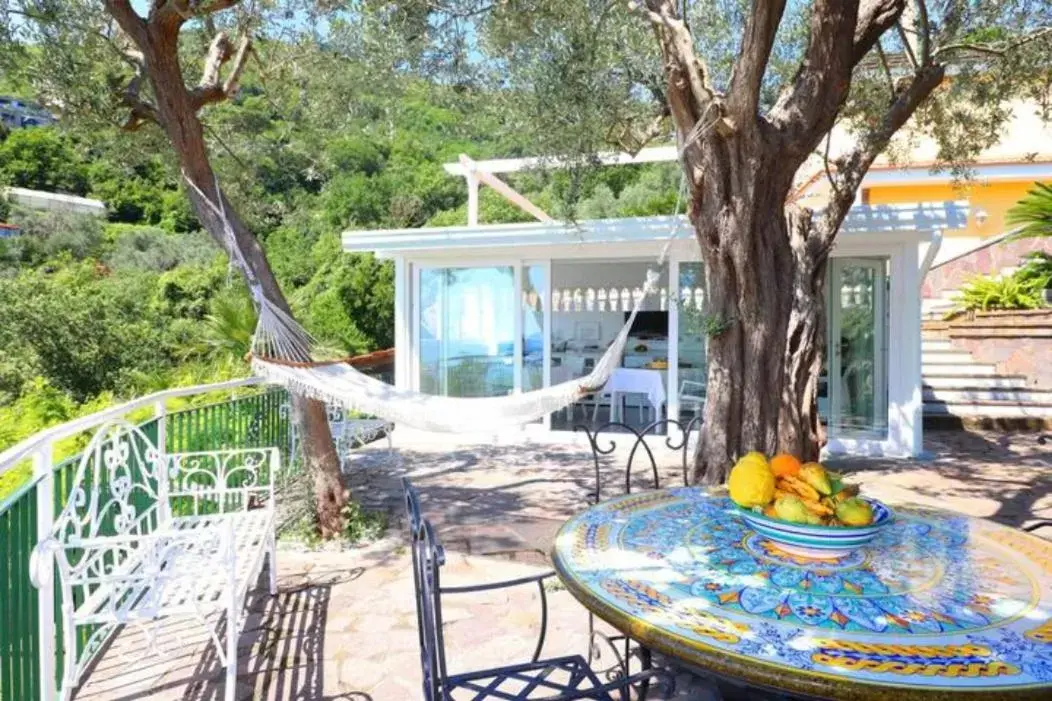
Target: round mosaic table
939	605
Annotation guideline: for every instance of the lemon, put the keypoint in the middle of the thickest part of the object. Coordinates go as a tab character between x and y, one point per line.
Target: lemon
751	482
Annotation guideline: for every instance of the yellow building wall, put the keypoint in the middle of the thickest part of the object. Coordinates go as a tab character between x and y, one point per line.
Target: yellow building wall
995	198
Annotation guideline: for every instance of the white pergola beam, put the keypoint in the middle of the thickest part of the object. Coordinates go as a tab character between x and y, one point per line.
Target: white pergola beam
653	154
474	176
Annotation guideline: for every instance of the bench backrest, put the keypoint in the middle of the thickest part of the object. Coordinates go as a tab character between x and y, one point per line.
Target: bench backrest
117	490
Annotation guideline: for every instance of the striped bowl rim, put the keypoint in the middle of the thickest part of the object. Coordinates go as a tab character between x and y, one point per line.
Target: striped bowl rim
882	516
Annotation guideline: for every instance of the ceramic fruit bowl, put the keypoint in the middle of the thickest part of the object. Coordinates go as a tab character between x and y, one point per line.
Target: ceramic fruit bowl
821	542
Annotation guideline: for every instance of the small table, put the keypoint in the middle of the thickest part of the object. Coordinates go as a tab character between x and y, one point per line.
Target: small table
636	381
939	605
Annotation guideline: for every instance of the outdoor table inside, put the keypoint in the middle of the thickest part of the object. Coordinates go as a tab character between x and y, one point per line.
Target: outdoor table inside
940	605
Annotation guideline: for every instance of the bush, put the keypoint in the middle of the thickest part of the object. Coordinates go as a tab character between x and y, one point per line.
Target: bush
48	234
151	248
1011	292
42	159
1037	270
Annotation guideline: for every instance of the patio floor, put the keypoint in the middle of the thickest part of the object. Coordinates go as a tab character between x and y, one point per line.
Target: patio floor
343	623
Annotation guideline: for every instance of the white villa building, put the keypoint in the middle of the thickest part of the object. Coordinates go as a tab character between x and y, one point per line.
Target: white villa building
486	310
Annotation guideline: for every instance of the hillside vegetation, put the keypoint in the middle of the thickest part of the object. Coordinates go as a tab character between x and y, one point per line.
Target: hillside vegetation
98	310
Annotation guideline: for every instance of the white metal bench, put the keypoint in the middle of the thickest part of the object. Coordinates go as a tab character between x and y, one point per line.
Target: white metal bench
147	536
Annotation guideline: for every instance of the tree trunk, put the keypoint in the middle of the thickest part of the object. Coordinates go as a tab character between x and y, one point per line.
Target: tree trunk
178	117
764	307
799	430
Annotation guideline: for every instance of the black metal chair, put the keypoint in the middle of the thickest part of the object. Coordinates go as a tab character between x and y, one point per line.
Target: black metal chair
553	679
624	648
1036	525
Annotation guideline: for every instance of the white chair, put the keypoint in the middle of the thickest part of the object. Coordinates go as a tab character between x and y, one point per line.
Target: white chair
573	368
692	393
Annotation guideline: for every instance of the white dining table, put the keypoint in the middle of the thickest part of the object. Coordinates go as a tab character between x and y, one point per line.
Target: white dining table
633	381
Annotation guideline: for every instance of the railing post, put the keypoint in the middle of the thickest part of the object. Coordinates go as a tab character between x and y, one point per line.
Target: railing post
160	413
44	472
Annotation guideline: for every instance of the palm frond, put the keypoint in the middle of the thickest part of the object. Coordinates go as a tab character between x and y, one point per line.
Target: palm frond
1033	213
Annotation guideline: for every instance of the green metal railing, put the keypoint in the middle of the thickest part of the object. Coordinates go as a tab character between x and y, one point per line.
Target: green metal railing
256	420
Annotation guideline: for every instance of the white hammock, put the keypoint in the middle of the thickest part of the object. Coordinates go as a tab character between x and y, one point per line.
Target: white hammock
341	384
282	353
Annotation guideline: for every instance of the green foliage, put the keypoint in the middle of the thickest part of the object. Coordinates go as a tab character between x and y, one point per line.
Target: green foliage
46	235
1033	213
230	324
186	291
1036	270
42	159
137	247
1001	292
363	526
351	300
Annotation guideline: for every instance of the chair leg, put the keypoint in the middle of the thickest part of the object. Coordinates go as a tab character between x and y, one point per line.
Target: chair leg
230	690
272	565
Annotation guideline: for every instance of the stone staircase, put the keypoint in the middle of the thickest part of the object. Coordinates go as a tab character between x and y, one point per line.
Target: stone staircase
960	391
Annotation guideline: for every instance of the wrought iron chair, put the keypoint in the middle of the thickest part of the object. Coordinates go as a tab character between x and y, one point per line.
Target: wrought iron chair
623	647
1036	525
553	679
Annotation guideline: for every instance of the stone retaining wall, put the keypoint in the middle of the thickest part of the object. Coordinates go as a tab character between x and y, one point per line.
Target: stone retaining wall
985	261
1018	343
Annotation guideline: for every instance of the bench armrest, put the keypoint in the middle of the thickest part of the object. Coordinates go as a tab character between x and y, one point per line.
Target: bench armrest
41	560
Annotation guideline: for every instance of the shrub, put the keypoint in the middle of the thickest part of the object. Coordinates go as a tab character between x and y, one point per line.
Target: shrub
1011	292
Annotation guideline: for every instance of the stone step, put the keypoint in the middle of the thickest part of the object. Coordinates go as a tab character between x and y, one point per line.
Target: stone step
966	395
988	410
958	369
945	357
1002	331
983	382
936	345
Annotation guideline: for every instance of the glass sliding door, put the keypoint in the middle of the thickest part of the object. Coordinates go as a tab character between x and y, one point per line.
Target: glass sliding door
466	331
693	370
535	300
857	369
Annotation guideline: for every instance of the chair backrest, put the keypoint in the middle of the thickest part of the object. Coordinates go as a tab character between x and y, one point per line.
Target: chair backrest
428	558
601	445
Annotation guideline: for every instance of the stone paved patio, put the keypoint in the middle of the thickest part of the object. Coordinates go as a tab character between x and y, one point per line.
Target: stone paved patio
343	624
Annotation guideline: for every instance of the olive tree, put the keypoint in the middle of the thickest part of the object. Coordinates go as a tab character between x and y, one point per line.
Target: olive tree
753	92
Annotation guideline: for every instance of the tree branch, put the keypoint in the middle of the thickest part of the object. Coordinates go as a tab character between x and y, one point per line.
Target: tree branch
994	50
853	167
924	29
129	20
907	48
678	48
131	97
743	95
180	11
808	104
211	88
874	18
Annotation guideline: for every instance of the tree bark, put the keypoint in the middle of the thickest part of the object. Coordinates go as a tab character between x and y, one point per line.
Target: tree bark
177	115
749	280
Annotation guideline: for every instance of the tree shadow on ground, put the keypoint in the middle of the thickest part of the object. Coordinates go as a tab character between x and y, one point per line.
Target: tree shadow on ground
1014	470
281	649
484	498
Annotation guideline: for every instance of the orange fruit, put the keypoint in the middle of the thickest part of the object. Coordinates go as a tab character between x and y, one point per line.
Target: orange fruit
785	465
